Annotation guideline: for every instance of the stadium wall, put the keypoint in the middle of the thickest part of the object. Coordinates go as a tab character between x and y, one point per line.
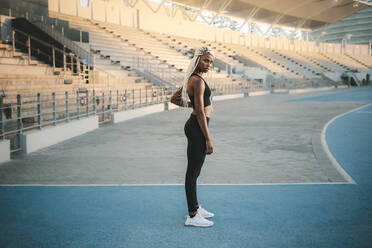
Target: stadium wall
149	16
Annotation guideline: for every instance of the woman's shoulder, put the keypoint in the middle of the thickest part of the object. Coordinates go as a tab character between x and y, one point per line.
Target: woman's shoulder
196	80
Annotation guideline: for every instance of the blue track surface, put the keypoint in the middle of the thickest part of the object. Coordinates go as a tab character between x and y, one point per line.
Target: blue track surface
246	216
350	140
361	95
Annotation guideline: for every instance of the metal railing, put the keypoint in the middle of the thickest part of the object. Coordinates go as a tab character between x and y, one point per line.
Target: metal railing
85	56
20	113
144	63
47	24
30	47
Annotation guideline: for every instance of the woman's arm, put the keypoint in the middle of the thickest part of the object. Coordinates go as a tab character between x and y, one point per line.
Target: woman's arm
199	87
177	99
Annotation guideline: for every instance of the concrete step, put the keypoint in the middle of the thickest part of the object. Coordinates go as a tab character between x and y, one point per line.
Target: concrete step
12	61
22	69
24	76
35	81
9	53
5	46
38	88
110	47
19	61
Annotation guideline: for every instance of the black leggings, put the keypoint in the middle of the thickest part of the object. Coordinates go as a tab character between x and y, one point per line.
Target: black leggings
195	159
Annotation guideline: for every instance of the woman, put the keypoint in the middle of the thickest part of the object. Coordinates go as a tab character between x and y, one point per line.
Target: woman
196	130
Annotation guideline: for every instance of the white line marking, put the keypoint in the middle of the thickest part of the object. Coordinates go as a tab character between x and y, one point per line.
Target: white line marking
325	145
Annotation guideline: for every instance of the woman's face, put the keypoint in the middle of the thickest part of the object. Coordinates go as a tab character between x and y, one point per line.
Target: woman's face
205	62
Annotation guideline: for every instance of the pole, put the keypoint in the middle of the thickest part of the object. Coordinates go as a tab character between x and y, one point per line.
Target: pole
54	58
125	99
54	108
94	101
66	106
38	110
29	49
133	97
1	118
87	96
64	59
13	42
19	117
77	105
117	100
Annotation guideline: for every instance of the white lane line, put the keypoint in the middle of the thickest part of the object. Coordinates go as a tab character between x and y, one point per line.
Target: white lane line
326	148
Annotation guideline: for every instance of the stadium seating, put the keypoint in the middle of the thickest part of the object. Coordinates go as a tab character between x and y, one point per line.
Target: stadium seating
19	76
273	66
364	60
120	50
344	62
129	47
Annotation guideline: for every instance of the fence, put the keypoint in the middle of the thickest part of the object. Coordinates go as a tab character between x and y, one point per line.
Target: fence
21	113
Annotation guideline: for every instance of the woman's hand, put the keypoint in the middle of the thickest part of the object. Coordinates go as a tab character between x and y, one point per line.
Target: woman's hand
209	147
177	98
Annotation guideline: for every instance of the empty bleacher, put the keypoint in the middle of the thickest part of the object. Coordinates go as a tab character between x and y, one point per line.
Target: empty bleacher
20	74
113	46
273	66
26	77
150	45
129	47
345	62
361	59
120	51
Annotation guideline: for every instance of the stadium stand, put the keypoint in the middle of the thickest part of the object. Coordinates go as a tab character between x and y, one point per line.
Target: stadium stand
128	46
136	63
364	60
172	51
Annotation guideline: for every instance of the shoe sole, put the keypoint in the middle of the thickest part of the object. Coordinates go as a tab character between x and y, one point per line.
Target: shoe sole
198	226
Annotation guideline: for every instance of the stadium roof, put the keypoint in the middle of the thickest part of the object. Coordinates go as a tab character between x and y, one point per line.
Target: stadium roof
303	14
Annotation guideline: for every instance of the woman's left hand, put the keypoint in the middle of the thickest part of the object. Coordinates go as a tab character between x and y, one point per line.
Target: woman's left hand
209	147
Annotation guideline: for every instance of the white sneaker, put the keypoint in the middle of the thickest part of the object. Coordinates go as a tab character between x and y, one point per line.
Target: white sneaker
205	213
198	220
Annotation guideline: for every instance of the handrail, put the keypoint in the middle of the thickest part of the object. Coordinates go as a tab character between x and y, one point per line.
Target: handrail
35	38
81	52
35	110
78	50
143	64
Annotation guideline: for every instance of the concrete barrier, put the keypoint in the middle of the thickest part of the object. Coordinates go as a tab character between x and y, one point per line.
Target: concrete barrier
259	93
4	151
280	91
170	106
38	139
134	113
227	97
298	91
